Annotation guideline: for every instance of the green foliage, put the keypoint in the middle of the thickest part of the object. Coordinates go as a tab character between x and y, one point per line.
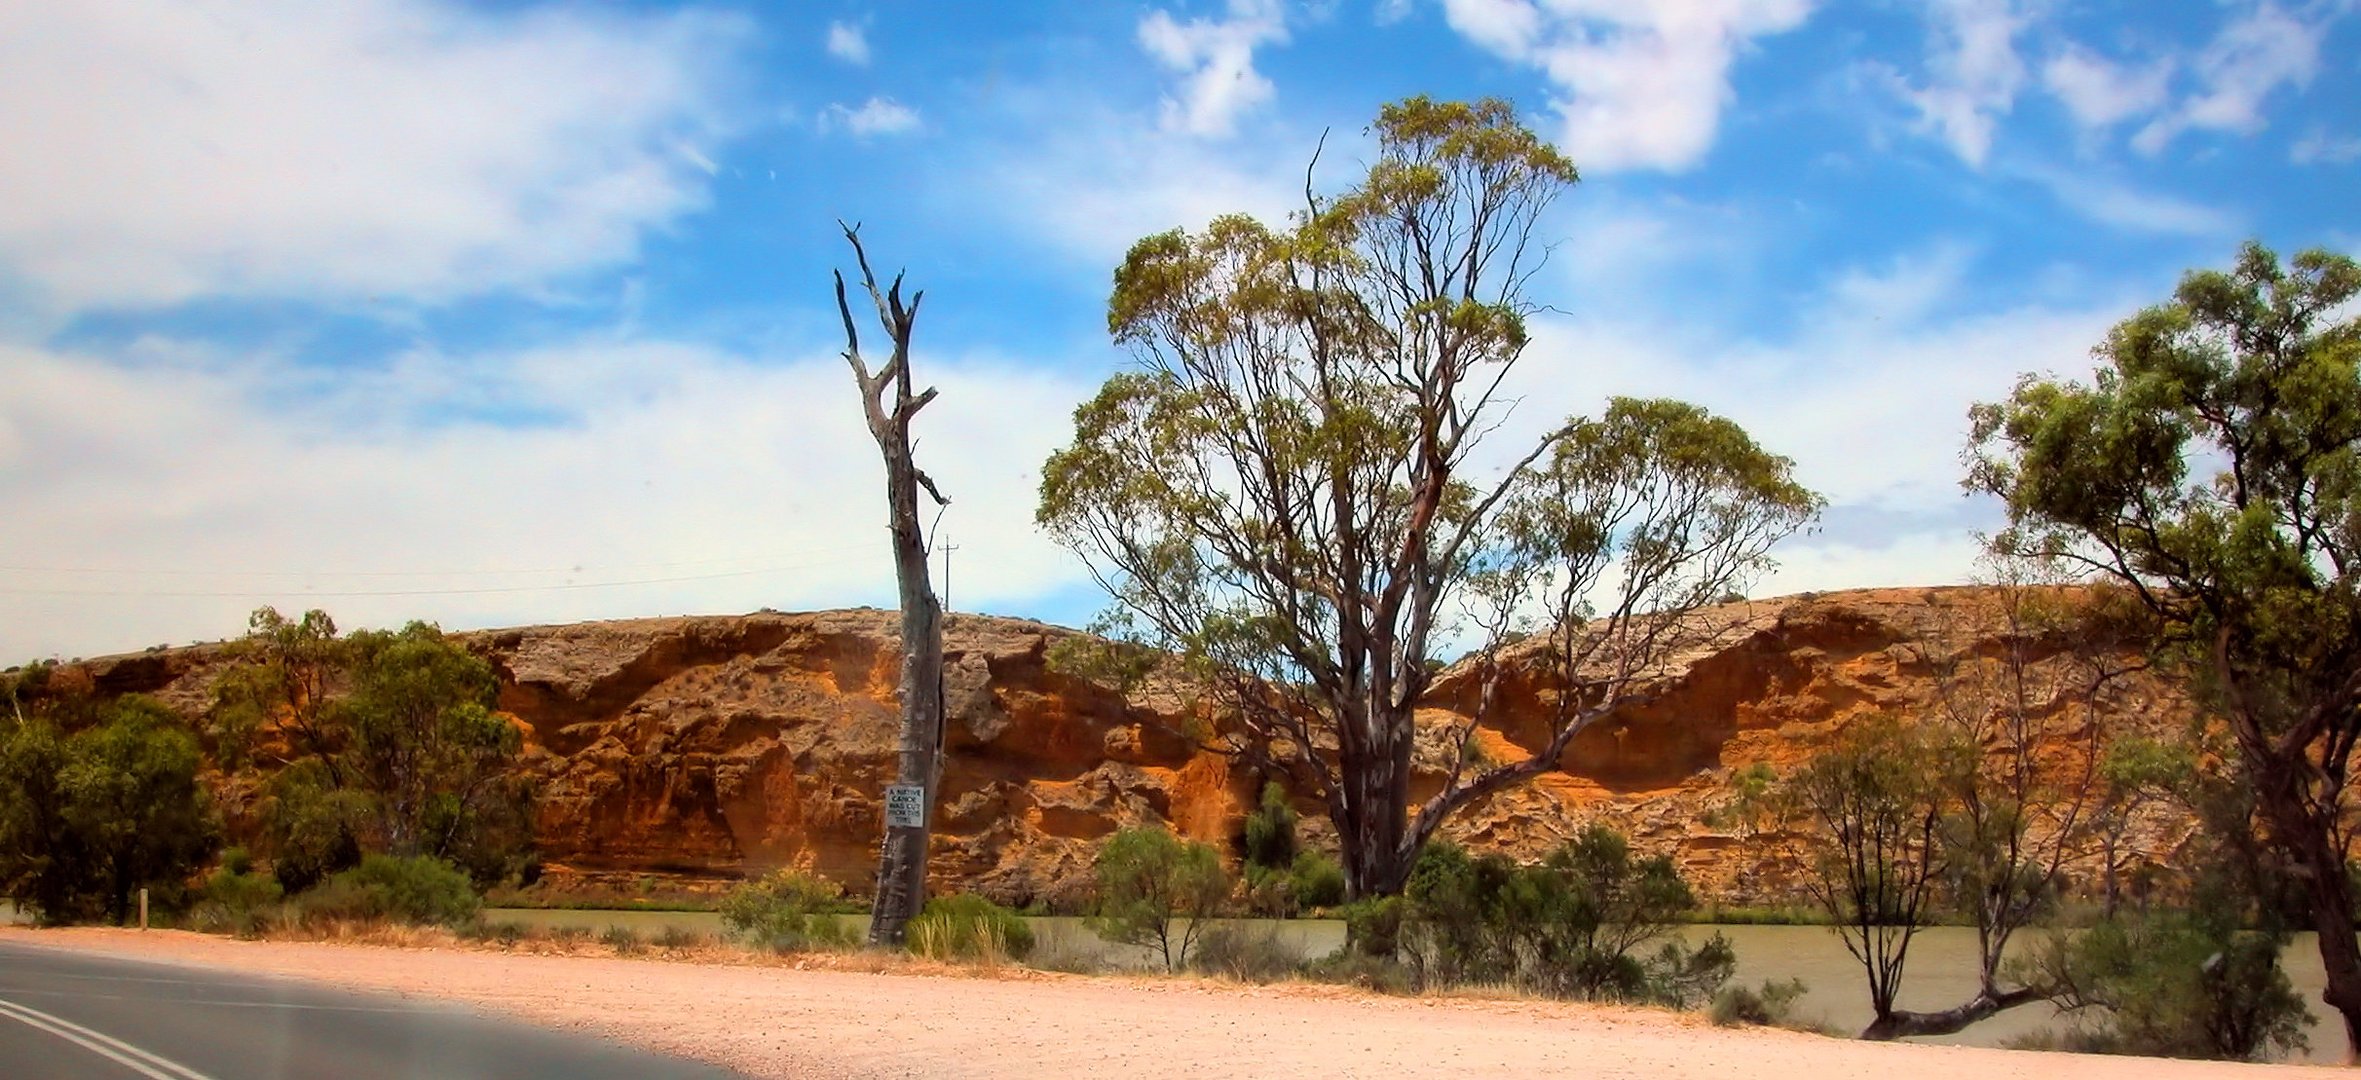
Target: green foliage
1770	1005
1315	881
235	898
1270	830
786	911
1255	954
413	890
1278	497
1149	881
1373	926
1577	925
964	926
2211	468
2192	986
89	819
386	742
1876	799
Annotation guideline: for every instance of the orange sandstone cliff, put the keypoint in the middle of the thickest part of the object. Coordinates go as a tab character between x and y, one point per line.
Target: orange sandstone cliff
706	748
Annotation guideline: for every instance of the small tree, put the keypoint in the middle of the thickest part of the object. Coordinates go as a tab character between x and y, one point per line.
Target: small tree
1148	880
1877	799
383	741
2191	985
89	819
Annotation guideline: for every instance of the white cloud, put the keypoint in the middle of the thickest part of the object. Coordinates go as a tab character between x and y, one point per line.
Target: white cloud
2322	148
1973	70
848	42
2110	203
250	482
1390	12
876	116
2100	92
1215	58
2256	54
1640	86
170	149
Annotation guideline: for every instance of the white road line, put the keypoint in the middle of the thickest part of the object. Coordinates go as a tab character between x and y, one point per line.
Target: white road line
102	1044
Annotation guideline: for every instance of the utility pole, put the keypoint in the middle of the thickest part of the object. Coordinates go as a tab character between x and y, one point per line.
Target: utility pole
948	548
910	800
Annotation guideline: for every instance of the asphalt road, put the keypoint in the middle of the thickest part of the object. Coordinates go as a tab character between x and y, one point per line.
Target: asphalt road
65	1014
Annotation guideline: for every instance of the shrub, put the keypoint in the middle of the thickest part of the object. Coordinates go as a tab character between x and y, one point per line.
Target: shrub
1148	880
414	890
677	937
2190	986
89	819
1575	926
968	927
1270	831
1350	967
1771	1005
623	939
786	911
1247	954
1317	881
1373	926
235	898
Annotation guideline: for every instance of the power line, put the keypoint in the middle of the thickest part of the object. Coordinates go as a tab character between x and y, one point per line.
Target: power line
575	569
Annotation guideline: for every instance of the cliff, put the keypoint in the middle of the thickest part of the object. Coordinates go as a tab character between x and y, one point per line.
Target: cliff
703	748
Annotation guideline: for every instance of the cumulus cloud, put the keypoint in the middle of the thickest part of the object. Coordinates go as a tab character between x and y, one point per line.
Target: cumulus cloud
848	42
2100	92
876	116
1973	73
175	489
1639	86
2255	55
170	149
1215	59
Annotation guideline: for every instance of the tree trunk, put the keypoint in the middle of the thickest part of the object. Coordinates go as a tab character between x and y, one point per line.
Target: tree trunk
1902	1023
901	864
1377	812
2328	894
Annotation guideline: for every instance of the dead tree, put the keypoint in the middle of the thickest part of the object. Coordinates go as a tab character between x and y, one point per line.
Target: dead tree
901	864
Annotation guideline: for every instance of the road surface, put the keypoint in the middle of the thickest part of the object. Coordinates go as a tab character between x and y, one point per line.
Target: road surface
66	1015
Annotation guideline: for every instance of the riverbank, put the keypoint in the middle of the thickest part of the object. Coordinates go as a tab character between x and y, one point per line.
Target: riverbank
770	1019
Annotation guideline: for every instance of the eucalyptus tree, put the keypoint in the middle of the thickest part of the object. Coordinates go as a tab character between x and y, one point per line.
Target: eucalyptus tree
1302	492
2212	467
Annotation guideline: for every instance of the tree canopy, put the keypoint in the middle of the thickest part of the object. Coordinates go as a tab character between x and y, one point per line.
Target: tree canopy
1299	491
2212	465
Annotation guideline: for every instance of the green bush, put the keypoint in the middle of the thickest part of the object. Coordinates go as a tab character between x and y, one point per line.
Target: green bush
676	937
87	820
1156	889
1373	926
1247	954
1771	1005
235	898
964	926
2189	986
1580	925
414	890
786	911
1270	831
1316	881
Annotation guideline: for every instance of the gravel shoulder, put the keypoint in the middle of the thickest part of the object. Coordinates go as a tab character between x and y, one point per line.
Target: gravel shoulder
870	1017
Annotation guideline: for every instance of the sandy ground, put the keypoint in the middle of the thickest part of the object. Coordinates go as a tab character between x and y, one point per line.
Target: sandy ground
776	1020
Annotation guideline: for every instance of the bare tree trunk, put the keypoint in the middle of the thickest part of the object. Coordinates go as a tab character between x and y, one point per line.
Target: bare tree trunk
901	866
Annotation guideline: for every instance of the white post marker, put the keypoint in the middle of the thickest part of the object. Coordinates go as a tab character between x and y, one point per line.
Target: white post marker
905	806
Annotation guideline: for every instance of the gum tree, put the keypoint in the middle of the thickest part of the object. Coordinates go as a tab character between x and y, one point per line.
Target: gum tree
2212	466
1301	487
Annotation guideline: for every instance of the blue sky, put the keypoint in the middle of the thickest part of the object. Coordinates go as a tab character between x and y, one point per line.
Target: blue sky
519	312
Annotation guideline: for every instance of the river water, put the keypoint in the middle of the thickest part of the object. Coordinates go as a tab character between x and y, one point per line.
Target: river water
1941	973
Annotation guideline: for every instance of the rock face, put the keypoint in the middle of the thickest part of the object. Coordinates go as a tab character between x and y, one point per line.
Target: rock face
709	748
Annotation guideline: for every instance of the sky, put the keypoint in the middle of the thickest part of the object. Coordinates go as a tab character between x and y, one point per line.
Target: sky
504	313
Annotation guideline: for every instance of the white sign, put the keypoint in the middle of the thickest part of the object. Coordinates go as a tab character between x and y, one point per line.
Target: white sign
905	806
